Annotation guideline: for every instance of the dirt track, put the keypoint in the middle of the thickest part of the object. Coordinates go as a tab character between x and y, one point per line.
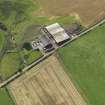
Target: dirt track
46	84
89	10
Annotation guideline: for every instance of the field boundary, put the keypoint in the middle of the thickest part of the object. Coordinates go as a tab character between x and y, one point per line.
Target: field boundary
74	82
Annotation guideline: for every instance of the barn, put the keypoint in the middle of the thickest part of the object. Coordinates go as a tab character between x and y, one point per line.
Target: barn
58	33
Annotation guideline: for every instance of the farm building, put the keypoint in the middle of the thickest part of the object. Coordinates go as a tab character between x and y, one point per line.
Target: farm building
57	32
43	43
34	45
74	28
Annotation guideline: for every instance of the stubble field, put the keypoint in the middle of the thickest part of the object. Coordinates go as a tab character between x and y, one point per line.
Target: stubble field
90	11
46	84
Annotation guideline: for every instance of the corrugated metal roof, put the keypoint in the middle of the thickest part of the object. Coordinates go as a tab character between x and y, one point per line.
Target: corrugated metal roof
57	32
44	40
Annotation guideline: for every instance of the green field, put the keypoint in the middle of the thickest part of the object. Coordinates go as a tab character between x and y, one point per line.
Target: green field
10	64
5	98
2	40
31	56
85	62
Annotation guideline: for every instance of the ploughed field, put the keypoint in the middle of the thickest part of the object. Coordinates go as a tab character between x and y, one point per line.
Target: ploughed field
89	11
85	61
46	84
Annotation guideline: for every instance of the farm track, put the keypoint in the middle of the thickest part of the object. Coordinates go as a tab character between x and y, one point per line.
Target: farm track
46	84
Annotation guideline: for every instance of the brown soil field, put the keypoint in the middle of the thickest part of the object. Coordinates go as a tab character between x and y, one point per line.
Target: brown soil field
46	84
90	11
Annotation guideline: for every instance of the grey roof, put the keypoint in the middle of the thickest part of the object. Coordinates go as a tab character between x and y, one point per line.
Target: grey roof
34	45
44	40
57	32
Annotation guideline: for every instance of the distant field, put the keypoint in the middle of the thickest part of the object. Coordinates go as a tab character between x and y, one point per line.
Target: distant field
88	10
46	84
85	62
5	98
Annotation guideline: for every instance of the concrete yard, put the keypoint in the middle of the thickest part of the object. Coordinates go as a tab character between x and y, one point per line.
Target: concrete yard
46	84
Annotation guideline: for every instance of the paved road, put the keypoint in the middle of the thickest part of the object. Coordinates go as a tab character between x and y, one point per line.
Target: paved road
47	55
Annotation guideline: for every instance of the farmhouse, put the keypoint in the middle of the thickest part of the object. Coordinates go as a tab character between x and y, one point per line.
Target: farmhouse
58	33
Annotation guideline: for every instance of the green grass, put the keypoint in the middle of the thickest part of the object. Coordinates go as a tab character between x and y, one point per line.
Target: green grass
34	55
10	64
2	40
85	61
63	20
14	11
31	56
5	98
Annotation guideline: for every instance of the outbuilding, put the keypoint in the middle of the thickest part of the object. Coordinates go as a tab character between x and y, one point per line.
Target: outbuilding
74	28
45	41
58	33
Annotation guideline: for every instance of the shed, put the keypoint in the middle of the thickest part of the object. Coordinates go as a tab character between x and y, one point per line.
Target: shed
74	28
44	41
34	45
57	32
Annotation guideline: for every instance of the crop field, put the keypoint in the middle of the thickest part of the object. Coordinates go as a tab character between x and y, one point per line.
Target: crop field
46	84
5	99
89	11
85	62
